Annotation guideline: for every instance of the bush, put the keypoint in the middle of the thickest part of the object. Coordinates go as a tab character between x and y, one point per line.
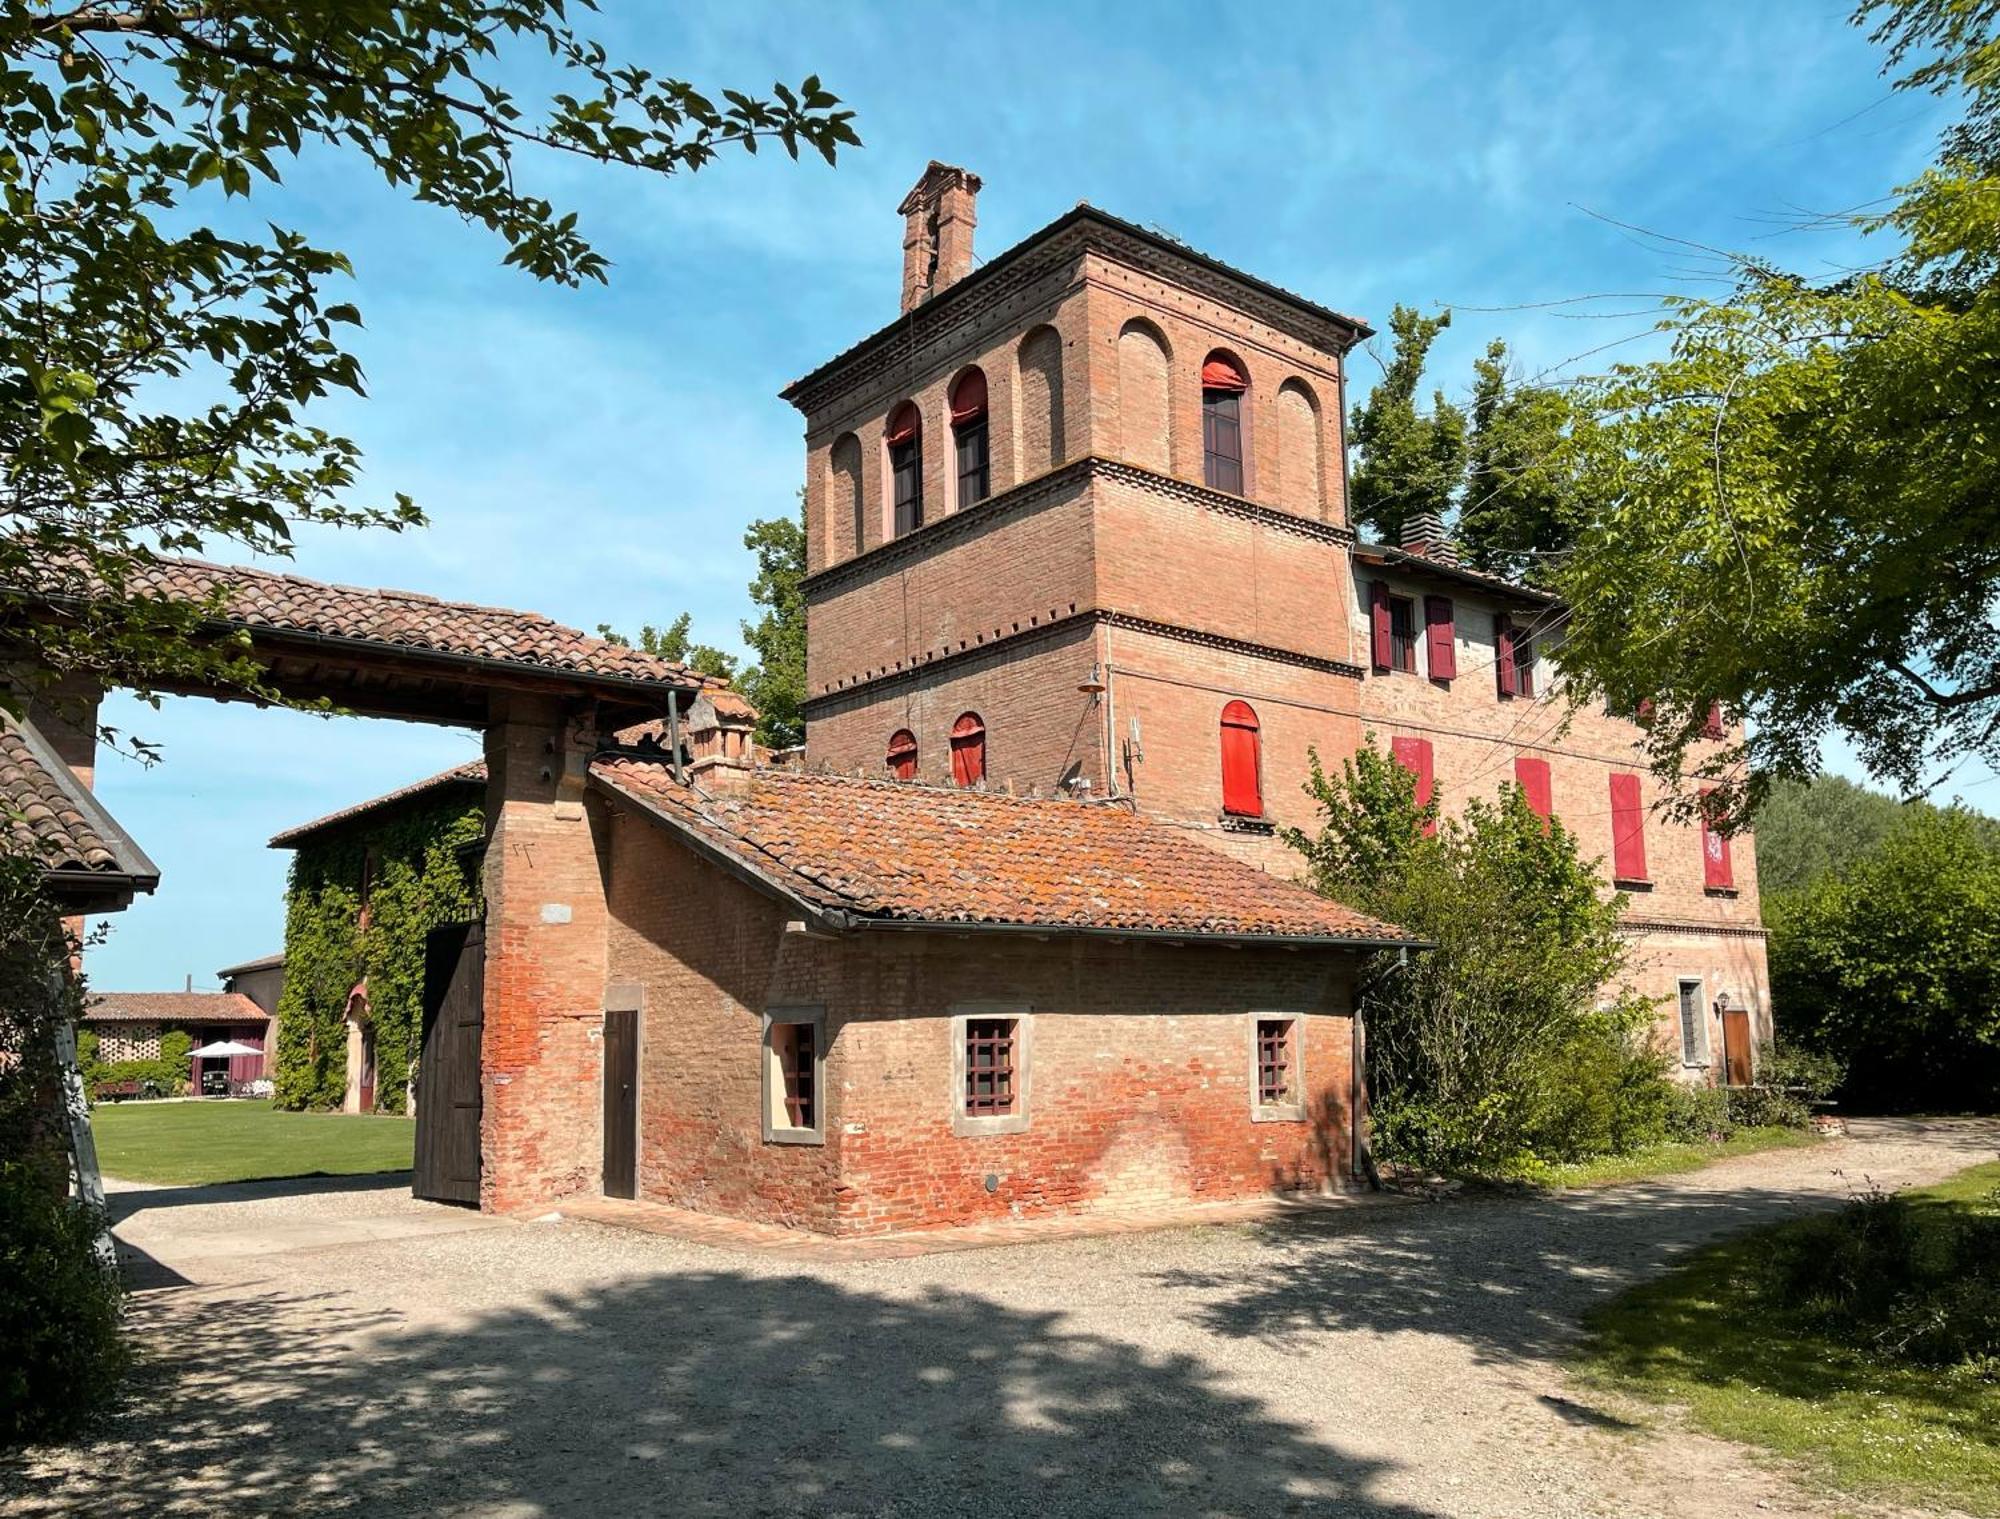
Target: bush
59	1312
1605	1094
1815	1076
1911	1281
1767	1107
1698	1115
167	1074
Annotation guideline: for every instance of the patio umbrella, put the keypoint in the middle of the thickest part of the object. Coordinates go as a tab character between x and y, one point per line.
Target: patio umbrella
222	1049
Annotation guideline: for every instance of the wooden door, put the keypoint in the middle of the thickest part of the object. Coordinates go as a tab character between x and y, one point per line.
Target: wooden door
621	1103
448	1091
1736	1046
366	1080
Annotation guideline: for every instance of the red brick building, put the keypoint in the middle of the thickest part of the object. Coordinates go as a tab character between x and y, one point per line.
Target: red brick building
1076	520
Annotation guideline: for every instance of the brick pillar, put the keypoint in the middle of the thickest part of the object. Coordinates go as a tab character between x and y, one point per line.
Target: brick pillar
546	923
938	219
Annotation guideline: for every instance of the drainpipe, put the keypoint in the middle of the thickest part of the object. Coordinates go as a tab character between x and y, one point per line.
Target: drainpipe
674	739
1110	728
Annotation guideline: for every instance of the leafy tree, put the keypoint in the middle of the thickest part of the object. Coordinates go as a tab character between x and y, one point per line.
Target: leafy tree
1478	1046
159	360
1520	503
1810	829
1797	510
676	642
1892	964
1406	461
776	684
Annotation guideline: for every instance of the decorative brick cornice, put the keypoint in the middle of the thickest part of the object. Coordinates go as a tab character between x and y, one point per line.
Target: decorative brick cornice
1040	491
1632	925
877	686
1064	240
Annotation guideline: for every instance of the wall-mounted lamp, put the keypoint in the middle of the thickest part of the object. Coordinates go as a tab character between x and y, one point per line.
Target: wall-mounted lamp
1093	684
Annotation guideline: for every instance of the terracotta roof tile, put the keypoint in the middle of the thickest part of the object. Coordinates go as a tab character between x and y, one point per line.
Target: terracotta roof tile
471	773
173	1007
404	619
895	851
49	815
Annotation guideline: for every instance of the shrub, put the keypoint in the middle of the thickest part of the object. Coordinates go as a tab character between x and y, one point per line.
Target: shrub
1913	1281
1813	1074
1605	1093
1767	1107
1697	1115
59	1312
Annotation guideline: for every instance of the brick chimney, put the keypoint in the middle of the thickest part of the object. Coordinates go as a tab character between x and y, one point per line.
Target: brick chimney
1423	533
938	217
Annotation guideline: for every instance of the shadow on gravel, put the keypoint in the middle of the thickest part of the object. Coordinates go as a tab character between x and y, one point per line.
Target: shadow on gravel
122	1205
700	1394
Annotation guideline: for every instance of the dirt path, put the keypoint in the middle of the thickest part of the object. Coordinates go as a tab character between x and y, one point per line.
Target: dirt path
352	1351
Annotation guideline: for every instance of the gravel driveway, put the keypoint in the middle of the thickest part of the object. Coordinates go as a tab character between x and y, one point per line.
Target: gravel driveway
351	1351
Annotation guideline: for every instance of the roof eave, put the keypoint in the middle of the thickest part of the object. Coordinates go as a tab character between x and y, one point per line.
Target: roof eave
1389	554
1345	942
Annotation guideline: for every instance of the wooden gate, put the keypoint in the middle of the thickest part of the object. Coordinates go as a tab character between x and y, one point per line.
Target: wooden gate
621	1105
448	1101
1736	1062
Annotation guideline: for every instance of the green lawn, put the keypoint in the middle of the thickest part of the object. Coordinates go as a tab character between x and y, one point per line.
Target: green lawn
1697	1338
1666	1159
189	1143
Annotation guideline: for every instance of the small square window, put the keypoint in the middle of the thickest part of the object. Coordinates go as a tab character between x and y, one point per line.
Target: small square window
794	1076
1278	1091
989	1070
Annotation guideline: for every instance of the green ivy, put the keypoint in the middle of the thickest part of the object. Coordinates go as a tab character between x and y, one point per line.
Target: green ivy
419	881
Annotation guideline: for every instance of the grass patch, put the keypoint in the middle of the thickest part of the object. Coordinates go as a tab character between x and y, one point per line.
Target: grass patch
181	1144
1668	1159
1708	1336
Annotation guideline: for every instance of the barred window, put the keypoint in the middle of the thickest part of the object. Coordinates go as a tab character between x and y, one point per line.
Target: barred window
1403	633
989	1067
1276	1082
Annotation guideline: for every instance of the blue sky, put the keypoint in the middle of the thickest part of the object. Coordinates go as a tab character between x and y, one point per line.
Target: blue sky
595	454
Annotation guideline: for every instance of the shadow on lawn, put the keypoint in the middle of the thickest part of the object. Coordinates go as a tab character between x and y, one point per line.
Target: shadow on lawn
710	1393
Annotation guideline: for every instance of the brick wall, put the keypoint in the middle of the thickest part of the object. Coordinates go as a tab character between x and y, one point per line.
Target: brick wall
1139	1082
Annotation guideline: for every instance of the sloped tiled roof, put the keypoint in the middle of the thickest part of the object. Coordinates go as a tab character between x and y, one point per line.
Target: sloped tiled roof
471	773
262	962
890	851
49	815
264	599
172	1007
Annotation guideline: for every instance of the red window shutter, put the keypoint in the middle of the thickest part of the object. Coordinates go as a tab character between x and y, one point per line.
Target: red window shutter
968	750
1414	755
968	398
1242	794
1628	829
1533	775
1712	726
1716	871
1503	656
903	755
1220	372
1378	624
1443	627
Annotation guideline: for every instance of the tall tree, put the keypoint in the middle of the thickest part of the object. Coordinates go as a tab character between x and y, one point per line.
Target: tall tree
1406	461
776	684
1520	506
1797	510
676	642
157	365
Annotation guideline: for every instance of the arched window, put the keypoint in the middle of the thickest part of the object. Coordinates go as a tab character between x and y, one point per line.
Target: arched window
903	755
845	525
1223	384
1242	793
1038	401
968	750
906	467
968	433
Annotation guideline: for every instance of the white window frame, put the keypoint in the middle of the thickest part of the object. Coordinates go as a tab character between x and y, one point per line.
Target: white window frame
1293	1111
1704	1055
776	1130
1016	1122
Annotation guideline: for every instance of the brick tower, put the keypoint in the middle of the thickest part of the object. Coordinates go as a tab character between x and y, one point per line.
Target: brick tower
1075	520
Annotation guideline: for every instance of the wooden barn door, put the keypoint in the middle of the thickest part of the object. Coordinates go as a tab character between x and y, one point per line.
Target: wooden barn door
621	1102
448	1100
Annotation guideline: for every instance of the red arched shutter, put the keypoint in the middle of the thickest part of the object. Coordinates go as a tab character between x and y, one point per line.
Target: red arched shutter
1717	873
968	750
903	755
1242	795
968	398
1415	756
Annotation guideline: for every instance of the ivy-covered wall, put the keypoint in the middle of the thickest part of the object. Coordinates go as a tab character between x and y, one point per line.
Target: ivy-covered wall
417	882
